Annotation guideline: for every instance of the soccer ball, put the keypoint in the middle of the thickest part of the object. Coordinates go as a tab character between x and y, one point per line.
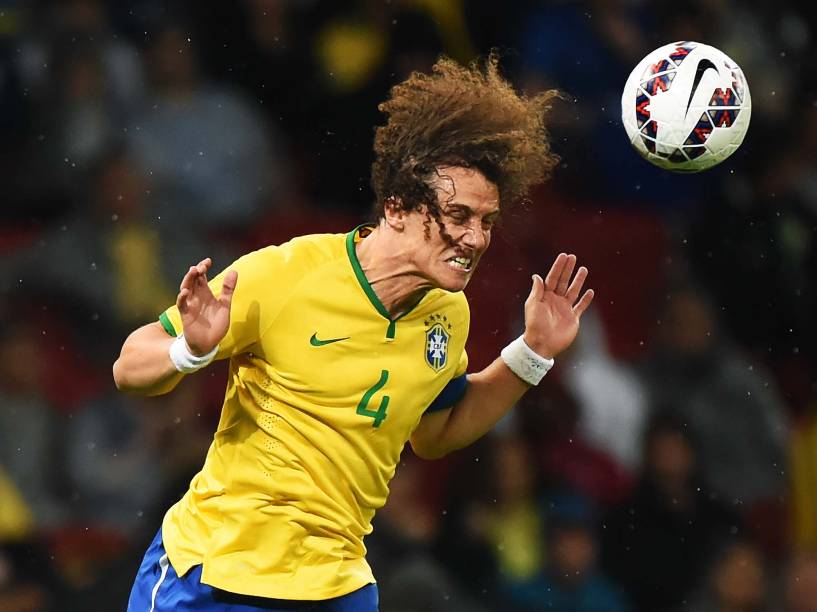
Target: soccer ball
686	107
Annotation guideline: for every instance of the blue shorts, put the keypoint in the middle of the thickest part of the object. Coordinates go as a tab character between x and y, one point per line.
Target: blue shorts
157	588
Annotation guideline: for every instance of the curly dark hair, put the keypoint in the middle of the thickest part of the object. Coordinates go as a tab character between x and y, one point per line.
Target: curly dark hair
459	116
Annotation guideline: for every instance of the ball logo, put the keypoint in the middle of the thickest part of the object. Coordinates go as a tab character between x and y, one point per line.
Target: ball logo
686	107
703	66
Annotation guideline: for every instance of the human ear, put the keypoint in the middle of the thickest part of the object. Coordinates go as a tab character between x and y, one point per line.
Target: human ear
394	214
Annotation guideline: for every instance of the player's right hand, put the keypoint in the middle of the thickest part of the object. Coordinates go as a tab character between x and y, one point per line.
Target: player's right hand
205	317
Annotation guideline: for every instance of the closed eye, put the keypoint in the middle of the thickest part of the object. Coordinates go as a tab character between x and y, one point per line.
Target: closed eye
489	221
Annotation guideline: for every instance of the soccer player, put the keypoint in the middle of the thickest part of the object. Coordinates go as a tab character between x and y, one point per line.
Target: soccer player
344	347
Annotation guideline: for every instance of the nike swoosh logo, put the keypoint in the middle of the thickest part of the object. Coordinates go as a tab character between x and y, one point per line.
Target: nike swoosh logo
315	342
703	66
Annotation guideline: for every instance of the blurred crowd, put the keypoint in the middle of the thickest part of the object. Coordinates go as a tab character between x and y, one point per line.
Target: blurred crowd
669	461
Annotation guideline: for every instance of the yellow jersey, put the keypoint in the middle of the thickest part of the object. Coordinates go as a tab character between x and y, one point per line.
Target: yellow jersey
324	390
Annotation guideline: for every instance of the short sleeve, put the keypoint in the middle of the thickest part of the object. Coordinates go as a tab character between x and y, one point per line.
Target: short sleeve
454	390
462	364
251	305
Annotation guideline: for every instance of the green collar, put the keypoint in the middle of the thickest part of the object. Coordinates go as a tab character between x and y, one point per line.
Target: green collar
351	239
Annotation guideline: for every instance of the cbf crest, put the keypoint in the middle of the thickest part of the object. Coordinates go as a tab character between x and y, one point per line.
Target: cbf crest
437	337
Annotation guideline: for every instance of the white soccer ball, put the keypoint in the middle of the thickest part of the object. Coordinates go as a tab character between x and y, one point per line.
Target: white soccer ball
686	107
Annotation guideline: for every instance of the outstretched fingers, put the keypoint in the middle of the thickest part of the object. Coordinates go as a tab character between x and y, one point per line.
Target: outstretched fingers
564	277
181	300
576	286
194	278
202	267
186	287
555	273
583	303
228	287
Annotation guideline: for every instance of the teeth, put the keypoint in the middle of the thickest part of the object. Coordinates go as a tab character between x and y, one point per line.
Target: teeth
463	262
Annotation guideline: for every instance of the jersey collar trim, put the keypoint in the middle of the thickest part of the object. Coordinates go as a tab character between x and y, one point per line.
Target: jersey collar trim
353	237
356	235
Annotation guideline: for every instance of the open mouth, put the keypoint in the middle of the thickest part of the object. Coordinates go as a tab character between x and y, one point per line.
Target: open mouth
462	264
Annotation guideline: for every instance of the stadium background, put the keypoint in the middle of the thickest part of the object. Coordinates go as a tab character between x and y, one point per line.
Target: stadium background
668	462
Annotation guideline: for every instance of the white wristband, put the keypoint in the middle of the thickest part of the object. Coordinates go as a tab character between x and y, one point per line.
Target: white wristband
526	363
183	358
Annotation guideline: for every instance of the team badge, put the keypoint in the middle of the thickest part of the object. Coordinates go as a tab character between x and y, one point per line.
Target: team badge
437	337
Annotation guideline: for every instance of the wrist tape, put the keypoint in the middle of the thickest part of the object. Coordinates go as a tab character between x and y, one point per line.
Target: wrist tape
184	359
526	363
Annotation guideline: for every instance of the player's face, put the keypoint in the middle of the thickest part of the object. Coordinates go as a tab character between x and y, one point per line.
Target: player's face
470	206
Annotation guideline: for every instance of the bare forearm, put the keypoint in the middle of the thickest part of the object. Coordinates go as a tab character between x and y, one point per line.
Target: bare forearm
490	394
552	313
144	365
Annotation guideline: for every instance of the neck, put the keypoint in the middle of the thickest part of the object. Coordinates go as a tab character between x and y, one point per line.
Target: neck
389	269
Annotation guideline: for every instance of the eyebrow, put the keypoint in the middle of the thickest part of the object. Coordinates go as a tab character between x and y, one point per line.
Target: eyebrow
495	211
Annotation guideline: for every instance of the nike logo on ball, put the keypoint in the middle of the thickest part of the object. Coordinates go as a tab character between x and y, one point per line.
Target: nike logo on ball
315	342
703	66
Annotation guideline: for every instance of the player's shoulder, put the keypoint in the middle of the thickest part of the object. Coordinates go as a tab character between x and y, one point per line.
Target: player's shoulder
439	299
315	248
299	253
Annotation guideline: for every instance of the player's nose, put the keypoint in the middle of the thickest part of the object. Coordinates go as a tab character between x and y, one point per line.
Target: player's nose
474	238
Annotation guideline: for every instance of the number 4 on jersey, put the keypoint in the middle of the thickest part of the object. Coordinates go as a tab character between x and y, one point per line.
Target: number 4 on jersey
378	415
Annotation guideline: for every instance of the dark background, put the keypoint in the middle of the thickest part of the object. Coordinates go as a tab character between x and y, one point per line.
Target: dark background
669	461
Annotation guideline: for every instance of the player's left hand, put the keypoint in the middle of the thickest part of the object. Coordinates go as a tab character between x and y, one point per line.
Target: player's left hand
553	308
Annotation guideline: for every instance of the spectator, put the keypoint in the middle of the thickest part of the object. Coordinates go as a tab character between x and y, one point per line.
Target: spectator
114	462
550	422
731	408
16	520
60	24
509	521
800	584
514	523
571	580
737	582
84	81
28	582
28	425
657	543
209	154
400	550
611	398
803	484
109	263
